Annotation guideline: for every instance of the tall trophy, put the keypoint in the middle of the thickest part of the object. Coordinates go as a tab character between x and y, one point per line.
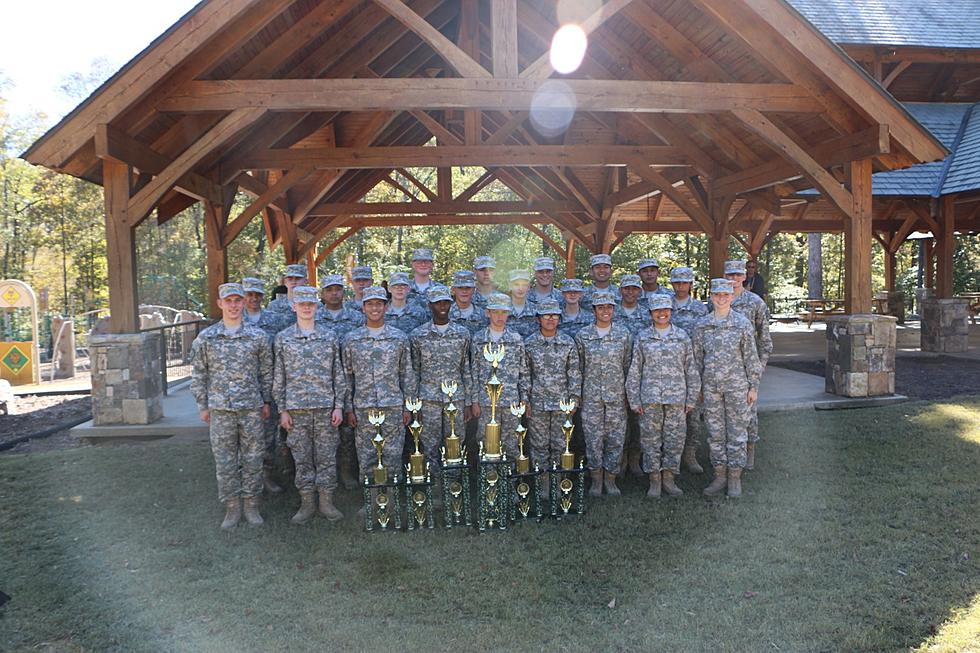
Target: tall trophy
380	497
526	498
491	435
455	472
567	481
418	481
495	469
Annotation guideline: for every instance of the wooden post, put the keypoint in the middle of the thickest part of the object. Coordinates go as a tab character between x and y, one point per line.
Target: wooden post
945	247
858	237
718	245
570	259
311	267
889	270
120	247
929	278
217	255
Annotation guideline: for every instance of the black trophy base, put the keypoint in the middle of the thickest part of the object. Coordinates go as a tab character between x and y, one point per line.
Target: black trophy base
382	508
567	491
493	495
456	493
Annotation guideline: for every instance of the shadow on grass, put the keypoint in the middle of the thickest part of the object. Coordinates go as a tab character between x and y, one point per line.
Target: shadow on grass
858	531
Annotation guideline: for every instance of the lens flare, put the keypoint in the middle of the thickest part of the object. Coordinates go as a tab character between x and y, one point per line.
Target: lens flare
568	49
553	108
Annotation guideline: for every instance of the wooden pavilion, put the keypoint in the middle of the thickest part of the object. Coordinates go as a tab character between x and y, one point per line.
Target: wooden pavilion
710	116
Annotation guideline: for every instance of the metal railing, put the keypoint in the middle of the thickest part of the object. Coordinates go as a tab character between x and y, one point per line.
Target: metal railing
175	350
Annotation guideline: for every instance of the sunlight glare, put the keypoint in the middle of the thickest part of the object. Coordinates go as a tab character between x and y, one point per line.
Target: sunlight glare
568	48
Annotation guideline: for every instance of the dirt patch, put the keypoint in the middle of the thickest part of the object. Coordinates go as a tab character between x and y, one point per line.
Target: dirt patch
33	414
938	377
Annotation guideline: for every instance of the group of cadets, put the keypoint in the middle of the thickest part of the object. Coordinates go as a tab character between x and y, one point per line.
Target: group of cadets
644	366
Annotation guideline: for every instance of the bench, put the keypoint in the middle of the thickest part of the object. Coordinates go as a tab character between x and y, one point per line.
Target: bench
821	309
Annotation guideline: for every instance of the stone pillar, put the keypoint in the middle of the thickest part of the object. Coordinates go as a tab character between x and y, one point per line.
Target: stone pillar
126	384
63	347
861	355
945	325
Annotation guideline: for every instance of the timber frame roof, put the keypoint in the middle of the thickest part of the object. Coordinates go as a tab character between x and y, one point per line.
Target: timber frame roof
688	111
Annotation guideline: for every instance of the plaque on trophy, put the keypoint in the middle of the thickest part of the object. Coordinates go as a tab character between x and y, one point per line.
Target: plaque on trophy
455	472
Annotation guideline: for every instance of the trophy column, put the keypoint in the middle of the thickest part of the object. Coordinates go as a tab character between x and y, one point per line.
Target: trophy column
526	502
455	472
418	481
567	481
381	506
495	470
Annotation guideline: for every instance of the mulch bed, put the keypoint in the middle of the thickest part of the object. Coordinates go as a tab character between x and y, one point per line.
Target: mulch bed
938	377
33	414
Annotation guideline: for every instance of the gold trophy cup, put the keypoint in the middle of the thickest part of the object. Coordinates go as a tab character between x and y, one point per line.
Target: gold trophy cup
452	453
377	418
567	457
491	436
416	460
523	462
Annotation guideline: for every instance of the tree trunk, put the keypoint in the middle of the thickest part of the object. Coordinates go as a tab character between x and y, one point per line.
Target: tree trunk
814	260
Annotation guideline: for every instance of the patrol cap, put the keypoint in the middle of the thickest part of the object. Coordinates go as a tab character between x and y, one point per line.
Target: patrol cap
483	262
398	278
253	284
421	254
464	279
305	294
375	292
296	270
332	280
658	302
519	275
602	298
548	307
647	263
600	259
721	286
734	267
630	280
362	273
682	274
498	301
572	285
438	294
229	289
544	263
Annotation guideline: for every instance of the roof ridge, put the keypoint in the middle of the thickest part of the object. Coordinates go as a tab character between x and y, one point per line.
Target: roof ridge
948	161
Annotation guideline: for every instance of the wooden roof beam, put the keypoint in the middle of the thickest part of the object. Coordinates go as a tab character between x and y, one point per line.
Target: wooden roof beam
701	217
284	183
423	208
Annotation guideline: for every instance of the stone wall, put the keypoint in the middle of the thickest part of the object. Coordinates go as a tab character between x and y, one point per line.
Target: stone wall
126	383
945	325
861	355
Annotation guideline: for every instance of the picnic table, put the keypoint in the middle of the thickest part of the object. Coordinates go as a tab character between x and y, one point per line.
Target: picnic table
820	309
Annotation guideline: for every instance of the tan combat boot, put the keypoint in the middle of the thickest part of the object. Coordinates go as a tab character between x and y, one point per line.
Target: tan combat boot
268	484
595	488
690	460
611	488
233	513
750	455
654	491
734	482
669	486
252	515
720	482
327	509
307	507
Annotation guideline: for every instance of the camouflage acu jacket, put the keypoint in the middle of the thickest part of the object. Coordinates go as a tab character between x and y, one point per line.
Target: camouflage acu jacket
555	370
512	370
725	353
663	369
477	319
308	372
524	320
586	302
408	318
686	316
231	371
756	312
379	370
605	362
570	326
346	320
634	322
555	294
441	357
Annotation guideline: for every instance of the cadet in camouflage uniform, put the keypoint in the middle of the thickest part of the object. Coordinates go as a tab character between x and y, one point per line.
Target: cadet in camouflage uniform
630	312
605	350
512	372
440	352
574	317
403	313
725	350
361	277
649	271
309	386
231	381
522	318
483	269
464	312
377	361
553	364
340	319
663	387
283	306
422	264
755	310
687	311
543	287
600	269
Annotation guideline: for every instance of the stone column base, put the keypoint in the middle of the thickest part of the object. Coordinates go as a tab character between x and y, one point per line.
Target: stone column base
945	325
126	384
861	355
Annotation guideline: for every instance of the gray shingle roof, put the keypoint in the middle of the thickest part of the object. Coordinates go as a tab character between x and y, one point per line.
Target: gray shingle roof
923	23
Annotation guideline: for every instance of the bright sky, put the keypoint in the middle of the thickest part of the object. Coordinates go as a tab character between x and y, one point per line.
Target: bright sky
46	40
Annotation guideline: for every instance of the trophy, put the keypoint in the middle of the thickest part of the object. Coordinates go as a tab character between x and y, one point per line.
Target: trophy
523	462
416	461
452	453
418	482
377	418
379	507
567	457
490	447
526	485
567	481
455	471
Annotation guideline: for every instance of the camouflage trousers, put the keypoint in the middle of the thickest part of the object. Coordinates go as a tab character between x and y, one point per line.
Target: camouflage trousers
632	446
753	425
545	441
604	427
346	449
663	430
313	441
237	443
694	427
508	438
726	415
270	430
436	430
393	431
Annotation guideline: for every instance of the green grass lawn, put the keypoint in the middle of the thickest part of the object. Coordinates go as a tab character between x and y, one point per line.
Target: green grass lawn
858	531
